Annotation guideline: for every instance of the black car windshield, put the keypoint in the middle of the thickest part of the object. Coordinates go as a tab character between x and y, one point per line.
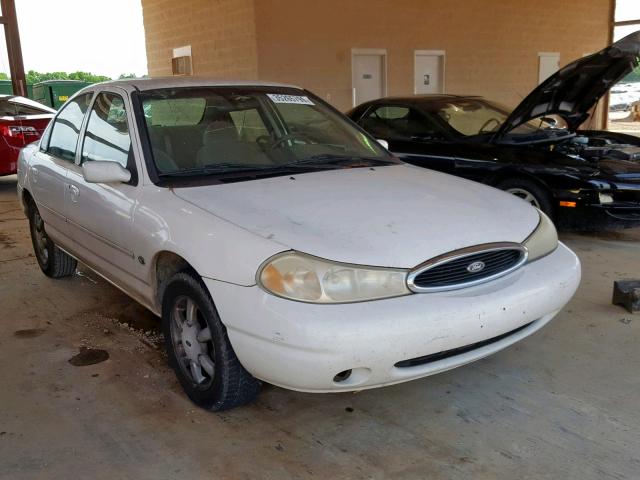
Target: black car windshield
219	130
471	117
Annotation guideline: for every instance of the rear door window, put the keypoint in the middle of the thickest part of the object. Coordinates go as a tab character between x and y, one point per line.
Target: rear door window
66	128
173	112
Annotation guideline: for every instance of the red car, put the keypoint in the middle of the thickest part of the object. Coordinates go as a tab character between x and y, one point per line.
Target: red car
22	121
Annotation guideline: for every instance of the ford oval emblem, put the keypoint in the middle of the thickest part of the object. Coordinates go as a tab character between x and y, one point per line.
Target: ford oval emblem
475	267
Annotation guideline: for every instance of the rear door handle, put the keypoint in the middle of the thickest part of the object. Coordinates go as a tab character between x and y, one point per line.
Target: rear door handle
75	193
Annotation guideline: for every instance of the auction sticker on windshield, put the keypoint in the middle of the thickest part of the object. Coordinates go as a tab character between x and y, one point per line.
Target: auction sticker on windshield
297	99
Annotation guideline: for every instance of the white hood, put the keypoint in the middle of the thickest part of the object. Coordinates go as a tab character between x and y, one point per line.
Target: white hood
395	216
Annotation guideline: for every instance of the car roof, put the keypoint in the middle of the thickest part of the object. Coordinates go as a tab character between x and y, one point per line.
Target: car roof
152	83
422	99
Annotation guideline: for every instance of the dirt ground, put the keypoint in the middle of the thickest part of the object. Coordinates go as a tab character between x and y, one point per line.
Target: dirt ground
563	404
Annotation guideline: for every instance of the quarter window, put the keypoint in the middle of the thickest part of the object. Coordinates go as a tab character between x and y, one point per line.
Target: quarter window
66	129
107	136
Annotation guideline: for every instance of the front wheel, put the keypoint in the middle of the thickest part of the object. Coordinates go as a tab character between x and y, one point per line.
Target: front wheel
199	350
53	262
531	193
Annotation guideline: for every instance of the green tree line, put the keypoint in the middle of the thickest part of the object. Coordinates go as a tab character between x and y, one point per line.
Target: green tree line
36	77
634	76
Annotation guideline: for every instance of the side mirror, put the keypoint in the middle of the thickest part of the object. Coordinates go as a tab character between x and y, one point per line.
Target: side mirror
384	143
550	120
105	172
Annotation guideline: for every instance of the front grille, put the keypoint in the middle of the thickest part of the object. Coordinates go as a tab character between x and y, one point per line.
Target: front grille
434	357
467	267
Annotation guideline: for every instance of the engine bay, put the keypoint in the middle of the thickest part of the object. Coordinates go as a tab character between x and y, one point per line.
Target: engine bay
594	148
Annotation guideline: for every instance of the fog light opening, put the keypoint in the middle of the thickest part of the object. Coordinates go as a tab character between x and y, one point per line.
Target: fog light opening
342	376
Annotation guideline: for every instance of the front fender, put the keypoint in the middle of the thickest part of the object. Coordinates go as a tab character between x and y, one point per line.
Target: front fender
214	247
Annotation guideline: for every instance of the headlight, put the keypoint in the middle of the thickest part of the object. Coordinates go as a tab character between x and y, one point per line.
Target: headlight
302	277
543	240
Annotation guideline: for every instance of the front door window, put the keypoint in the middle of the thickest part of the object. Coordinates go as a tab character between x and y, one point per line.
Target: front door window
107	136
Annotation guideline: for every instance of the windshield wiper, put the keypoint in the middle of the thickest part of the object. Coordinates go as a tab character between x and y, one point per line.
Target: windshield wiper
315	162
330	159
215	168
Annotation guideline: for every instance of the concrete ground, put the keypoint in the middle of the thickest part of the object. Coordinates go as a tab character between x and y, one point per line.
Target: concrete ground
563	404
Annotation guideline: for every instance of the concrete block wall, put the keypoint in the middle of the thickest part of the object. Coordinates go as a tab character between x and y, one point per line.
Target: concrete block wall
221	34
491	45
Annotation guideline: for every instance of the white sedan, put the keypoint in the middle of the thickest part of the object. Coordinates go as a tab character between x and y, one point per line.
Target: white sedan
279	242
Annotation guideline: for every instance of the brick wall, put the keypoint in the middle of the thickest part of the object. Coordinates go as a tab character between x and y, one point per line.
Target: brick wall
491	45
221	34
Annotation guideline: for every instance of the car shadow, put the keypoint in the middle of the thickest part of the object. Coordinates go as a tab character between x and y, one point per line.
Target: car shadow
8	183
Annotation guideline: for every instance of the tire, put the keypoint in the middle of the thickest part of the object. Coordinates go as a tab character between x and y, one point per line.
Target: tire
530	192
198	347
53	262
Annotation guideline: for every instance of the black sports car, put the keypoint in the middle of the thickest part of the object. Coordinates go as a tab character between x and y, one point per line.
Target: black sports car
584	179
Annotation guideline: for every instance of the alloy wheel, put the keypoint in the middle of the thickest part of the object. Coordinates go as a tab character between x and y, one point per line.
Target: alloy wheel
192	342
41	239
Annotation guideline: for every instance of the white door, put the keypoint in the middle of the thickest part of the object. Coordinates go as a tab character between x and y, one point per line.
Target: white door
429	73
549	63
368	77
99	214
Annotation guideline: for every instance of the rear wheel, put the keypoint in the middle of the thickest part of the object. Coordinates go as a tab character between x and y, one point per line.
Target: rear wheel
199	350
530	192
53	262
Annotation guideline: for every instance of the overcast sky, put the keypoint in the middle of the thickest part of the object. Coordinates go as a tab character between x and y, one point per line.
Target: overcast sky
97	36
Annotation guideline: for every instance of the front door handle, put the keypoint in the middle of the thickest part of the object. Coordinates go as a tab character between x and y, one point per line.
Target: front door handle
75	193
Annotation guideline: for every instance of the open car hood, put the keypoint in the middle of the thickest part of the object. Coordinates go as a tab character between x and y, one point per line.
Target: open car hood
573	90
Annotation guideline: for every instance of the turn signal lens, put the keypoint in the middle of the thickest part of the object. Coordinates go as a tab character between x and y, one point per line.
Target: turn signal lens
302	277
605	198
543	240
567	204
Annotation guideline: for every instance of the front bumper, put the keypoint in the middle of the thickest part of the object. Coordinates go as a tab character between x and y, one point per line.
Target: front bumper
590	214
303	346
598	217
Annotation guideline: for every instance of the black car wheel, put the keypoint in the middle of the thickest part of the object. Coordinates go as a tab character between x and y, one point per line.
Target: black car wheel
53	262
199	349
531	193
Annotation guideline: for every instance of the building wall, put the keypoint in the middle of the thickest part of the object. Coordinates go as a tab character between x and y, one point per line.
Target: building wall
491	45
221	34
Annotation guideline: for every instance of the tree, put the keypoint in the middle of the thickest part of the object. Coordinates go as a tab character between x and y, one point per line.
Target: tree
634	76
36	77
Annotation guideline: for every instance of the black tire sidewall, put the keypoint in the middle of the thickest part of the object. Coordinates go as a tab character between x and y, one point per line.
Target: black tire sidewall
45	267
186	285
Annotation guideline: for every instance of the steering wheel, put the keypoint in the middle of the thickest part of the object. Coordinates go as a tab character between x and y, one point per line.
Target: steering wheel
487	123
264	140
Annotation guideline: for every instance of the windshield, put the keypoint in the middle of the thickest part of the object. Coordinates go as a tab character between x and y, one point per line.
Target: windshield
472	117
214	130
